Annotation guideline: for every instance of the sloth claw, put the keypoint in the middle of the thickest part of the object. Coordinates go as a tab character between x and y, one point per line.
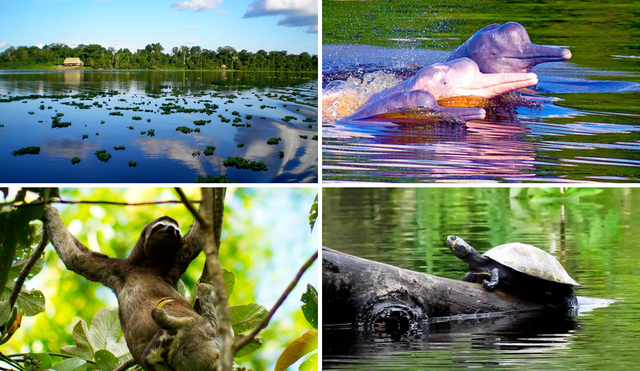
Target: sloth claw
163	302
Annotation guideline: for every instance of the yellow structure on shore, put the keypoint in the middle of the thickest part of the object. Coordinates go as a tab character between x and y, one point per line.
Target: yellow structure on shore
73	62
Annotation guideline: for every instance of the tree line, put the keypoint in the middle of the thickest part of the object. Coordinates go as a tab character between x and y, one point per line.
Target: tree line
152	57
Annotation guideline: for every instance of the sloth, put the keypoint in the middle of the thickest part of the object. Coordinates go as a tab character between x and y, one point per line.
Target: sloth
162	330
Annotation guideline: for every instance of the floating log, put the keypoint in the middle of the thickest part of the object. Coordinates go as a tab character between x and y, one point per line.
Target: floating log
356	290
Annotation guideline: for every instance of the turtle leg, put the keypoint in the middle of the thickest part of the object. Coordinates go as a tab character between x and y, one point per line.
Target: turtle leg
469	277
491	285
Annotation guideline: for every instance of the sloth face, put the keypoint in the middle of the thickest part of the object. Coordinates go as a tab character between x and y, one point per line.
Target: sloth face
162	238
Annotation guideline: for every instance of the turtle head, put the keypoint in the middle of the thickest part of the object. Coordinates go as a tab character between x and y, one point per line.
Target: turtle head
459	246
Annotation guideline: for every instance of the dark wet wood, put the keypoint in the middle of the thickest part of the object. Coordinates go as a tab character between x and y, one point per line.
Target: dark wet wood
363	291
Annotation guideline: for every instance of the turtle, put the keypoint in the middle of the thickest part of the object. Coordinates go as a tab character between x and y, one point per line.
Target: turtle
514	265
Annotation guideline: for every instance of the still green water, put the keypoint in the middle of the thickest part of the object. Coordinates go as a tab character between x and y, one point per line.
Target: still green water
594	236
585	124
141	113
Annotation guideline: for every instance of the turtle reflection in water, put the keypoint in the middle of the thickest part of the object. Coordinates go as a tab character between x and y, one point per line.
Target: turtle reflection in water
518	268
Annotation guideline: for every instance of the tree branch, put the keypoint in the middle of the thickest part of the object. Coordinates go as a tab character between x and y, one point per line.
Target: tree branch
26	269
190	206
218	217
216	277
115	203
265	321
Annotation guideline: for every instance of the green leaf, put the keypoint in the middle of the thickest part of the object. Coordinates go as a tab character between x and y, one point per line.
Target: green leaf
31	302
74	351
82	338
182	290
71	364
229	280
44	358
253	345
106	361
311	364
15	233
8	244
582	192
306	343
17	267
120	349
105	328
194	295
518	192
5	312
246	317
313	213
310	306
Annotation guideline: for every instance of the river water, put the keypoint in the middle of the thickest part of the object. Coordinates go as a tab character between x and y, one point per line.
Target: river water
592	232
266	105
580	123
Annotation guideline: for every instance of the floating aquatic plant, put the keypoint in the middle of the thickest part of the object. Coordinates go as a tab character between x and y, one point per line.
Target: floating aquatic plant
151	132
303	136
132	164
75	160
281	154
214	179
209	150
241	163
137	118
27	151
119	148
240	145
85	136
103	155
289	118
60	124
273	141
184	129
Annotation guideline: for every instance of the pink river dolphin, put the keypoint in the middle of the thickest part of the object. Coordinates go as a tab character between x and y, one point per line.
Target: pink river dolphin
457	78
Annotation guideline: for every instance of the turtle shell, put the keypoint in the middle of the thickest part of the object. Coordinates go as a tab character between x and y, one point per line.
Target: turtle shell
531	260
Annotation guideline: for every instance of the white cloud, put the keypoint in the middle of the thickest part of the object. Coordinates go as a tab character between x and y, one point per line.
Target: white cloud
40	45
222	12
191	27
297	13
4	43
173	41
196	5
191	41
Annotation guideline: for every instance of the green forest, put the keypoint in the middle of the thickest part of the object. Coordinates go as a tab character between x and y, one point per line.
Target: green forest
152	57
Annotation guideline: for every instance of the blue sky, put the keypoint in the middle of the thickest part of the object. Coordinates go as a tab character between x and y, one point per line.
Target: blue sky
289	25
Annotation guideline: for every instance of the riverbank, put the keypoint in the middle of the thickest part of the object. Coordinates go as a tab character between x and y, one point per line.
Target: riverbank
47	67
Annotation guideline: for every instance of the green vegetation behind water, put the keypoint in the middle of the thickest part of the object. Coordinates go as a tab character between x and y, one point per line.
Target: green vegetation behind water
152	58
596	32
